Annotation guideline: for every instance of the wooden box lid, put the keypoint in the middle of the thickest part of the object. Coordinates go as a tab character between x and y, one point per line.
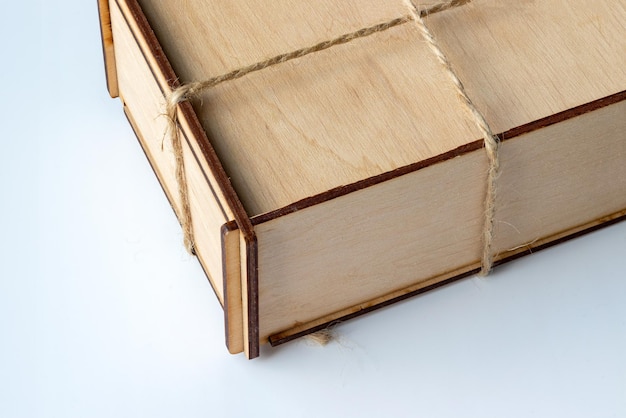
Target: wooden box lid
379	103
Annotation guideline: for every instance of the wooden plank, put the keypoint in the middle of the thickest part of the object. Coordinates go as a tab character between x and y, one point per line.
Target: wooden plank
312	116
194	133
108	49
141	94
364	308
241	32
361	249
561	176
368	243
233	306
249	297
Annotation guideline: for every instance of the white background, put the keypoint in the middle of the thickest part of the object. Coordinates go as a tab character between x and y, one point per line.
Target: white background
102	314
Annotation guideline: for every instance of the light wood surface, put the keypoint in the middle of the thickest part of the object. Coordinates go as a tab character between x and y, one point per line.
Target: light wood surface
246	324
370	242
350	115
142	96
369	246
525	60
315	116
561	176
108	49
233	305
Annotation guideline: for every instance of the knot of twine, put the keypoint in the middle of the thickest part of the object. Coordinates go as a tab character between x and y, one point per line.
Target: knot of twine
192	90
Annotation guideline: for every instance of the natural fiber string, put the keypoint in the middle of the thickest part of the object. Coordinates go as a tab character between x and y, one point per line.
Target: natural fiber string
491	141
190	90
183	190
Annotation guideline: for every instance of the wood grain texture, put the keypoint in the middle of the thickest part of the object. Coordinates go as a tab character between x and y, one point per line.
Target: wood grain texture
165	78
143	98
376	244
108	49
242	33
233	305
303	329
561	176
524	60
313	116
374	241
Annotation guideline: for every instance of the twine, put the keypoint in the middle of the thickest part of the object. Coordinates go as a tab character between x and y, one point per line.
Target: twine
183	192
191	90
491	141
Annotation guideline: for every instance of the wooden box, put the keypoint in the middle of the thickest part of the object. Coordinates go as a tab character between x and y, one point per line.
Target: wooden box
325	186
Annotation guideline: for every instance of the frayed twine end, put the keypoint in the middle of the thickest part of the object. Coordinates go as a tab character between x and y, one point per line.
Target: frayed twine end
322	337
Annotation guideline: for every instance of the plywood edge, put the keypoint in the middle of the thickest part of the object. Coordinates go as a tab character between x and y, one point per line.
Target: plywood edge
564	115
439	281
457	152
189	123
252	274
233	305
108	49
250	296
365	183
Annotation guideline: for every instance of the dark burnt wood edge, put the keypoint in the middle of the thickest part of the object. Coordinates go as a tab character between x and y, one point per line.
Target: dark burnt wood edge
603	223
472	146
226	228
135	130
241	217
185	136
252	254
564	115
362	184
277	340
104	16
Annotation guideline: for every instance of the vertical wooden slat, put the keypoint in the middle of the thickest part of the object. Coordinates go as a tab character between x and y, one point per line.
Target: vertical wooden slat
108	49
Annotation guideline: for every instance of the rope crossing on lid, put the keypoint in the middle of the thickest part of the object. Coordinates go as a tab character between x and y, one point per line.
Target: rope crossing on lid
192	90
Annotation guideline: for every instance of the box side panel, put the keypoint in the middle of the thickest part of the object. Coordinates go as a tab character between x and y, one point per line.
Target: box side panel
144	101
249	296
233	308
519	62
375	241
379	244
108	49
558	179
